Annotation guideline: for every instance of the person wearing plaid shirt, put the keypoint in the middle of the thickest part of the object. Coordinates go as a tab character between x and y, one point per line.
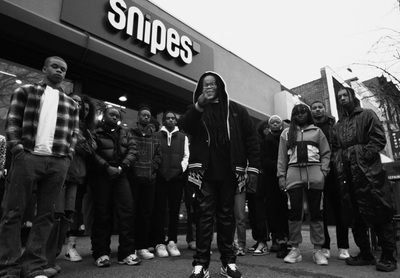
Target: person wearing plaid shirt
41	129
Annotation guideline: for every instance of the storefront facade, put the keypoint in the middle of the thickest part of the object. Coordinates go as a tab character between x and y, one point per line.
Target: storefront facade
126	48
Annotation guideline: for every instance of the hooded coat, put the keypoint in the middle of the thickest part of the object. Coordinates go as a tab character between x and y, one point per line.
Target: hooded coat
244	145
358	138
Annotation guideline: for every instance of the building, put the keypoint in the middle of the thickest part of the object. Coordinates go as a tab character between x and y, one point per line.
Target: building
120	48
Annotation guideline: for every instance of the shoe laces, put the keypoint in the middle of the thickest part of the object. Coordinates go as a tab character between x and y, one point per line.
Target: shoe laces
132	257
197	269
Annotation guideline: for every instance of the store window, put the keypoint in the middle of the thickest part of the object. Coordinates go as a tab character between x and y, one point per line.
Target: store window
12	76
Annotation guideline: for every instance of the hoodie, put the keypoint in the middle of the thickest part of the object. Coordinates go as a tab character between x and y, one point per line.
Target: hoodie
243	143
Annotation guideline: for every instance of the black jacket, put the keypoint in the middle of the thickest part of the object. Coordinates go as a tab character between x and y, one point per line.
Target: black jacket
244	145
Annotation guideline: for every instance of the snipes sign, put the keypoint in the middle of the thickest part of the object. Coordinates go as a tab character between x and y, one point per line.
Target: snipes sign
126	24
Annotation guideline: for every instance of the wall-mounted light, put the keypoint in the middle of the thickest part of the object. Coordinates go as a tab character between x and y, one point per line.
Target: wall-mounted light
123	98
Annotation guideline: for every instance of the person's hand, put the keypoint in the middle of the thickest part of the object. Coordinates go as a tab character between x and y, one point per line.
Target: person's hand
282	183
113	171
252	183
204	99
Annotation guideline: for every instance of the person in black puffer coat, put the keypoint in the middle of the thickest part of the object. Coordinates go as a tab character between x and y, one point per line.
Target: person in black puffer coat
116	151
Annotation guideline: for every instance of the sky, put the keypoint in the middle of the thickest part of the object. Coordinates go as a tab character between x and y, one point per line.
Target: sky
291	40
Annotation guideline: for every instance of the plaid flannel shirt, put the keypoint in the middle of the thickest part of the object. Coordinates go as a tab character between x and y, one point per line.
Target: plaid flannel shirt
23	119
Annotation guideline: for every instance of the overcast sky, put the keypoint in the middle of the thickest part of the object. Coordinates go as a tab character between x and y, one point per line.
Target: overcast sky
291	40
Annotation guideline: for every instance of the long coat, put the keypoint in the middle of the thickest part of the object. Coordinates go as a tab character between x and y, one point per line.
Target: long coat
357	140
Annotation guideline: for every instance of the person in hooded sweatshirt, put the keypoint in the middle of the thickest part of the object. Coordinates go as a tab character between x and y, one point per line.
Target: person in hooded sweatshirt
275	200
223	147
169	186
365	196
331	193
303	164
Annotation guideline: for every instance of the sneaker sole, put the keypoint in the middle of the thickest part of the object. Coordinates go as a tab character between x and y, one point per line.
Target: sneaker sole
298	259
223	273
386	269
130	264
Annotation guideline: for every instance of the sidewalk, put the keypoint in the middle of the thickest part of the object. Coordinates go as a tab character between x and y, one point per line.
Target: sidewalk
250	266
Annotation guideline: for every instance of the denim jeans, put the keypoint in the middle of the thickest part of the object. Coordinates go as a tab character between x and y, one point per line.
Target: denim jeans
45	175
240	216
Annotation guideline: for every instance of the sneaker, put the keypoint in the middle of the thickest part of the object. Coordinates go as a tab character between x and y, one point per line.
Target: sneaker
230	271
326	253
319	258
173	249
252	248
57	268
240	252
283	251
200	272
145	254
361	259
161	251
343	254
192	245
103	261
294	256
130	260
50	272
72	255
261	250
387	263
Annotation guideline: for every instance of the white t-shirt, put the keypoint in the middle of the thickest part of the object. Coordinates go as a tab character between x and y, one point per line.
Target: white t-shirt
47	121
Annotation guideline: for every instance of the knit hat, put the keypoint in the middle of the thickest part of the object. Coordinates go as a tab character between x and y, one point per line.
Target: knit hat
274	117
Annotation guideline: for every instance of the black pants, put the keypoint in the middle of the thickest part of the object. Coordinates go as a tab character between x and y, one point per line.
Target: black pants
216	198
168	194
257	211
276	209
107	196
332	198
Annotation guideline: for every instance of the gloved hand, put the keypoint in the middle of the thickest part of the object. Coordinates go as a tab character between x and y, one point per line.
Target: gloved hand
282	183
252	183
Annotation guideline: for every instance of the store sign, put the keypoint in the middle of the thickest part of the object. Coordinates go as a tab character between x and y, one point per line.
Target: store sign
140	28
133	22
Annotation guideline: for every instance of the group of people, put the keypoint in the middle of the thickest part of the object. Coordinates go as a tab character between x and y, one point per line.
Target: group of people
214	154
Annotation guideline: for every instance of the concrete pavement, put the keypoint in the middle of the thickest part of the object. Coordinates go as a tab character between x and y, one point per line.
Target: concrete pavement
250	266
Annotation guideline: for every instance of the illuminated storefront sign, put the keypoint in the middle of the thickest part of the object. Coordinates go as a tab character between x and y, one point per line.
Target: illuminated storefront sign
155	34
143	31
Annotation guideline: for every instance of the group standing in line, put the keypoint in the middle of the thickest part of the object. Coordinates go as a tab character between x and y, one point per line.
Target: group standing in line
212	153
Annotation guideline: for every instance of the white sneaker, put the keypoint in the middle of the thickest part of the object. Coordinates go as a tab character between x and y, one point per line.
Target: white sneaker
319	258
173	249
161	251
294	256
343	254
72	255
261	250
326	253
145	254
199	271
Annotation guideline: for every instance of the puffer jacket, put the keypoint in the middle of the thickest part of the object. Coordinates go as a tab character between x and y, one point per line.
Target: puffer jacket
357	140
114	148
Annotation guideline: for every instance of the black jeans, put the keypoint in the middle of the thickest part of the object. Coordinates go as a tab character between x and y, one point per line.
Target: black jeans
168	195
257	211
109	196
216	198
